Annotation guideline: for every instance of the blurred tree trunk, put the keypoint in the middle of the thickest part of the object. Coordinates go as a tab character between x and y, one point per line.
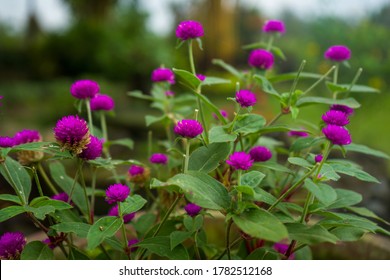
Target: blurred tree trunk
91	10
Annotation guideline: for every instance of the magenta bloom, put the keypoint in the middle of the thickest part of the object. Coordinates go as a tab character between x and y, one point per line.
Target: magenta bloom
84	89
338	53
246	98
11	245
72	133
159	158
192	209
201	77
163	75
338	135
223	113
188	128
93	150
282	249
61	196
335	117
342	108
6	142
169	93
318	158
240	160
271	26
135	170
297	133
131	244
102	102
126	218
261	58
27	136
49	243
189	29
117	193
260	153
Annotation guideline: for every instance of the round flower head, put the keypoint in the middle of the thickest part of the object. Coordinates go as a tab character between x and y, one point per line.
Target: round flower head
271	26
93	149
201	77
245	98
138	174
61	196
335	117
49	243
117	193
102	102
318	158
131	244
6	142
188	128
27	136
338	53
297	133
240	160
342	108
189	29
159	158
126	218
163	75
192	209
261	58
338	135
223	113
84	89
282	249
72	133
260	153
11	245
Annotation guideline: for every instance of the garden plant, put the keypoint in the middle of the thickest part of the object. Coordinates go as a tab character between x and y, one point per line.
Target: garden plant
275	198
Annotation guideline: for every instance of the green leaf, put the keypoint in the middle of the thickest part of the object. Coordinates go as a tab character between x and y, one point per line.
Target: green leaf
309	100
207	158
266	86
218	134
365	150
75	254
11	198
264	196
160	245
261	224
33	146
178	237
252	178
46	201
348	234
144	223
273	166
103	228
336	87
80	229
18	177
362	211
355	88
248	123
37	250
327	172
246	190
292	76
214	109
354	172
305	143
263	254
310	234
140	95
10	211
125	142
132	204
187	78
345	198
276	128
40	212
214	81
324	193
227	67
300	162
152	119
278	52
202	189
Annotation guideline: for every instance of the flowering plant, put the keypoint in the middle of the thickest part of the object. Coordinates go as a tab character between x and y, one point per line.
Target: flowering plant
211	166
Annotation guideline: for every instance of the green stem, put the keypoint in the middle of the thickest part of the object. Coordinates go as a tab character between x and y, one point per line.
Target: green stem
295	83
336	73
123	231
196	248
320	80
46	178
187	155
270	42
358	73
90	123
103	124
89	216
37	182
203	119
105	251
93	183
228	227
234	243
191	57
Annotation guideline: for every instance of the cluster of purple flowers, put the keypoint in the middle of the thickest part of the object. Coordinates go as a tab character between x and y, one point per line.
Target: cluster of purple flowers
335	119
11	245
188	128
22	137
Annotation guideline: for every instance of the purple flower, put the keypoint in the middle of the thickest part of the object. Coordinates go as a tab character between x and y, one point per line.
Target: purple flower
131	244
102	102
138	174
93	149
1	97
246	98
163	75
282	249
72	133
188	128
318	158
61	196
136	170
240	160
126	218
274	26
338	135
342	108
49	243
338	53
189	29
260	153
27	136
169	93
84	89
201	77
192	209
261	58
6	142
159	158
11	245
335	117
223	113
117	193
297	133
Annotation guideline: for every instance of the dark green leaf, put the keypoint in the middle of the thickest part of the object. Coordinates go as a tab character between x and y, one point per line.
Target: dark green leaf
354	172
345	198
365	150
152	119
215	81
309	100
125	142
246	189
263	254
46	201
218	134
264	196
305	143
140	95
37	250
214	109
310	234
266	86
336	87
187	78
227	67
278	52
103	228
33	146
11	198
10	211
80	229
300	162
160	245
248	123
324	193
273	166
367	213
207	158
144	223
40	212
132	204
75	254
252	178
327	172
348	234
178	237
355	88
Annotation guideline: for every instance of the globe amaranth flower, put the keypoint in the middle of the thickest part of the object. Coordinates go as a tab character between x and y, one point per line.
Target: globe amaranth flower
102	102
297	133
11	245
335	117
192	209
6	142
163	75
260	153
117	193
72	133
138	174
338	135
63	196
240	160
189	29
93	150
271	26
188	128
84	89
201	77
261	58
338	53
342	108
318	158
223	113
131	244
282	249
50	243
245	98
27	136
114	211
159	158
